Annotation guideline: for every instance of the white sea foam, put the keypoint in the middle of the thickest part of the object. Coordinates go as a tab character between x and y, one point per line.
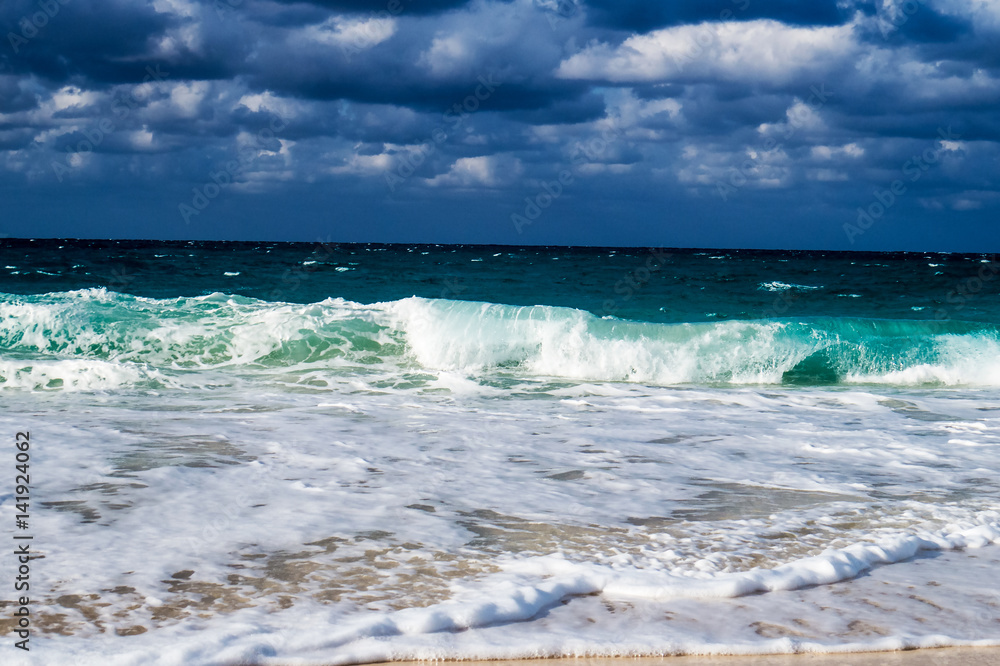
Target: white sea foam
76	375
558	342
387	521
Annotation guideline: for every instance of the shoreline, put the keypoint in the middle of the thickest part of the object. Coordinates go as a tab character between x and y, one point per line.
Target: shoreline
943	656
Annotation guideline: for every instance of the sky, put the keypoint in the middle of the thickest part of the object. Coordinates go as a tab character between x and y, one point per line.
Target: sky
784	124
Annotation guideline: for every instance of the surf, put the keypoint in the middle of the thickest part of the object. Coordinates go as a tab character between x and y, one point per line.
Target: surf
99	338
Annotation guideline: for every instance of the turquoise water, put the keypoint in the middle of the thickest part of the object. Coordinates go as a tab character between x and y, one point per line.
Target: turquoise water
646	315
340	454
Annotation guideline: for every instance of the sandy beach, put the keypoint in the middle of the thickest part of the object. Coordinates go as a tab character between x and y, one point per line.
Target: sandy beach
930	657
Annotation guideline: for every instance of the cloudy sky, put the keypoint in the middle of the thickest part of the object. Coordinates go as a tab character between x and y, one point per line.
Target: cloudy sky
846	124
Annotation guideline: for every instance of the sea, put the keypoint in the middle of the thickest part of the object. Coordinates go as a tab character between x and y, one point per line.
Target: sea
323	453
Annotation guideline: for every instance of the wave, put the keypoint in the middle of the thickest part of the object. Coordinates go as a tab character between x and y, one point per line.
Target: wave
784	286
129	339
561	579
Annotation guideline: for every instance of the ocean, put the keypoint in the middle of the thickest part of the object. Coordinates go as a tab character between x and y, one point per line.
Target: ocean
326	453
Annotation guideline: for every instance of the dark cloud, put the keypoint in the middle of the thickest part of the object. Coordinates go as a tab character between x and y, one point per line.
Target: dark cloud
16	94
925	25
642	16
582	108
272	14
91	40
382	7
473	106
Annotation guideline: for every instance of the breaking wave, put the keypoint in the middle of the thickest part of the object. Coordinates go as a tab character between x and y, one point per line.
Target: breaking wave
94	339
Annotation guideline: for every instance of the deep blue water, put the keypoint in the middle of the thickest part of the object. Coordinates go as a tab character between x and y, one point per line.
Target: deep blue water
657	285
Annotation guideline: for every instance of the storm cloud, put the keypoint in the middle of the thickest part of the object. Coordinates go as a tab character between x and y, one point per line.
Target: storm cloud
762	123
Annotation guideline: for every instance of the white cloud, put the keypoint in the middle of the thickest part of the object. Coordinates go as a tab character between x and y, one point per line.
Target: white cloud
485	171
187	97
824	153
447	55
352	34
141	140
967	204
753	167
267	101
365	165
625	111
71	97
799	117
762	50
